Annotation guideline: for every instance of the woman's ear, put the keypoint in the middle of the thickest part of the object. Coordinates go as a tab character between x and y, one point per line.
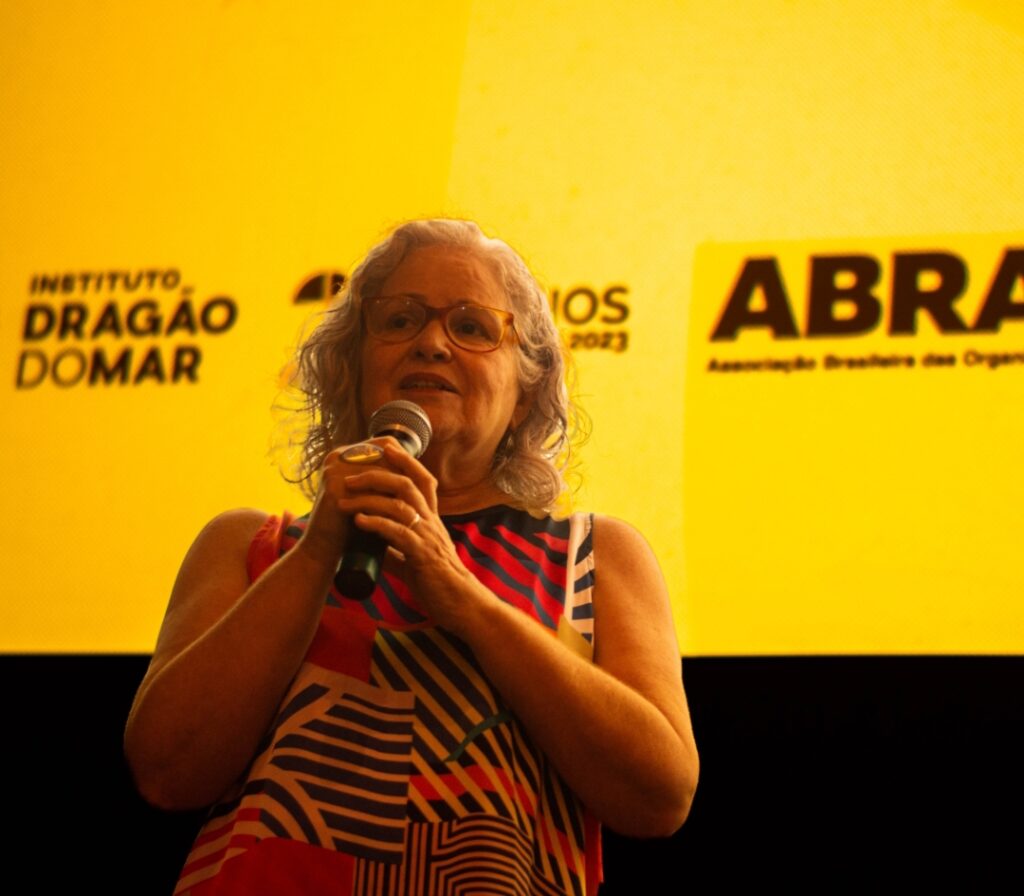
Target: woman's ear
522	409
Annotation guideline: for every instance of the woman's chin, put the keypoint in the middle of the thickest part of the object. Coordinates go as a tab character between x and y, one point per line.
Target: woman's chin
438	397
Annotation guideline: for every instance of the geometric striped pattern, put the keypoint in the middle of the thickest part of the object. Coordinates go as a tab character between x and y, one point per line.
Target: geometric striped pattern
352	765
522	564
472	856
471	757
334	774
399	770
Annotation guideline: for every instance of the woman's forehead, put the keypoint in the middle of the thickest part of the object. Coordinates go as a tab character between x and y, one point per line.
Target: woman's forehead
444	274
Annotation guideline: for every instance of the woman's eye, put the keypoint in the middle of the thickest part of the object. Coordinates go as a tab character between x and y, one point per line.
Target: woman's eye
399	322
474	326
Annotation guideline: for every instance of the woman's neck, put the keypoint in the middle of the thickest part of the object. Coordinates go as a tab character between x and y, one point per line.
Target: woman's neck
456	499
464	481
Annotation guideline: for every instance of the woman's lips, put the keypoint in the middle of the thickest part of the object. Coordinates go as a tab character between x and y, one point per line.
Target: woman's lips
424	381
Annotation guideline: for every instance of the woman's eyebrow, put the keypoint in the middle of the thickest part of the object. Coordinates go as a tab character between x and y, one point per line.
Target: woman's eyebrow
422	298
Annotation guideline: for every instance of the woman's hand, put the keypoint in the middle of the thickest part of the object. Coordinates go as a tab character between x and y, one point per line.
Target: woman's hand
397	500
329	527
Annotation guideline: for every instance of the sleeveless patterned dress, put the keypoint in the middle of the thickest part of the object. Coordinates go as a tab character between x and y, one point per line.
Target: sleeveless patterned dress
393	768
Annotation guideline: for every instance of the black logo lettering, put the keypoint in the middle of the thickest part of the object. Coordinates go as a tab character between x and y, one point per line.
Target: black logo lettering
908	297
758	275
825	293
999	304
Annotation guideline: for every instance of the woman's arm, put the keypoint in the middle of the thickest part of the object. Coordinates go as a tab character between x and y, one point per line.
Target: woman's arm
224	658
635	643
618	730
227	651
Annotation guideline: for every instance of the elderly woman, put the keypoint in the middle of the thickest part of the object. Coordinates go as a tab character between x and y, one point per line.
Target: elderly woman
511	683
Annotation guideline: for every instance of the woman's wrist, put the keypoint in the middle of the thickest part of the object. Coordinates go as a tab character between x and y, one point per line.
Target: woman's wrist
474	614
319	553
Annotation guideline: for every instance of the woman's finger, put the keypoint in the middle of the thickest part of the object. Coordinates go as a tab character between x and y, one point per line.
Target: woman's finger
385	482
411	535
396	509
411	467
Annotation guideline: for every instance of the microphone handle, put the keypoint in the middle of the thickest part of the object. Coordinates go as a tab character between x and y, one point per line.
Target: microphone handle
360	565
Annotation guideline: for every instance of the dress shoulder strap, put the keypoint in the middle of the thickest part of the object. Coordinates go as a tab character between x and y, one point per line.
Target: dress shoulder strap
579	562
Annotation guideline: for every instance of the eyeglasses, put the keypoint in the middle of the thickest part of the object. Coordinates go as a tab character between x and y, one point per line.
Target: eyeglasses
475	328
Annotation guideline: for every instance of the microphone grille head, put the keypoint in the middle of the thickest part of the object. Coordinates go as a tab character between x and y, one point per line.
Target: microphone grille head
405	421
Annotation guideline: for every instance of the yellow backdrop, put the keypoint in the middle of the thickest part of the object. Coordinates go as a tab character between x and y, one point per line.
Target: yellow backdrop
711	192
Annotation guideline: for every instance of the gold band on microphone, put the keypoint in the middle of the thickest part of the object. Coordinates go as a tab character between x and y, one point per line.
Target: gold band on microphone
362	453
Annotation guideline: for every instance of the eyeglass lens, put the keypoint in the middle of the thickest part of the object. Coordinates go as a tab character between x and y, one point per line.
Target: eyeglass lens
397	319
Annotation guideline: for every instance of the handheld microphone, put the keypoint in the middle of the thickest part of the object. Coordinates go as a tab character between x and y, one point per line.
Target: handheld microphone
360	565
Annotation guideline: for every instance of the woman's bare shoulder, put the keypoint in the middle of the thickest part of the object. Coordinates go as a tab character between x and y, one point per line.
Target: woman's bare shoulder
618	541
219	551
211	578
231	526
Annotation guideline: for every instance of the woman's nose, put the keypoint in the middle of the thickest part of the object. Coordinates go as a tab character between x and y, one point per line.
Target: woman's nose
432	342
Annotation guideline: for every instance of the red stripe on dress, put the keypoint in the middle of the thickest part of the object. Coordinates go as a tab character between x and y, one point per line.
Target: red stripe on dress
483	778
552	569
500	586
502	589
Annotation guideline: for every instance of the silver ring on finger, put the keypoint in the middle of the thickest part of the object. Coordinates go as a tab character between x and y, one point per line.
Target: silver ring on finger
415	519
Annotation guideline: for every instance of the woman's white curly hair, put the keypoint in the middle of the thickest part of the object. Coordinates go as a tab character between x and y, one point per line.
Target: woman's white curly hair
530	463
